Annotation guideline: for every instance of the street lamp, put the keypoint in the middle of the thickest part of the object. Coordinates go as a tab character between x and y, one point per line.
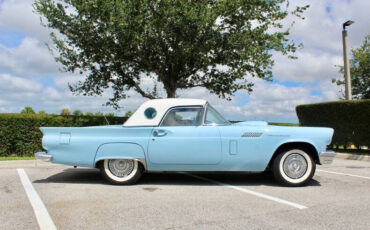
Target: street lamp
347	73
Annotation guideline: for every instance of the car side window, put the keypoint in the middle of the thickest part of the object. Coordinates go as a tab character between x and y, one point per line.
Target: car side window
214	118
183	117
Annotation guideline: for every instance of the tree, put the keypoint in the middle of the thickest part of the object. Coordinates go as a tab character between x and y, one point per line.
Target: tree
360	71
65	112
180	44
28	110
90	114
109	114
128	113
78	113
42	112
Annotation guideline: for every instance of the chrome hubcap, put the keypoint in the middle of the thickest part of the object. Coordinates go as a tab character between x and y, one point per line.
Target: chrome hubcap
121	167
295	166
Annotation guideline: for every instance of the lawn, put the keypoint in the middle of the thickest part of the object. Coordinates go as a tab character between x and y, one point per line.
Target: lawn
17	158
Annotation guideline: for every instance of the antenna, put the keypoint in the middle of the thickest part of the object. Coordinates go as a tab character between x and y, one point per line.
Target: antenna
106	119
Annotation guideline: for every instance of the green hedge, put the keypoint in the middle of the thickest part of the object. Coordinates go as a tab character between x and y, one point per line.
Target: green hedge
350	120
20	134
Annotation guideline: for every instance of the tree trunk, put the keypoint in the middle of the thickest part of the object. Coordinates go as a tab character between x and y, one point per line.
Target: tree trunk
171	93
170	87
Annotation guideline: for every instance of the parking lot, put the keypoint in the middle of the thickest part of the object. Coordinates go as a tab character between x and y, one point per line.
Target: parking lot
337	198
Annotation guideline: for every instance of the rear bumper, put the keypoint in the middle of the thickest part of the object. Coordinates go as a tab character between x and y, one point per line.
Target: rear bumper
327	157
43	156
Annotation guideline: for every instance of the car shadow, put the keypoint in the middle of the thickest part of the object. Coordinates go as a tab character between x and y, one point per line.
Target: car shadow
75	176
93	176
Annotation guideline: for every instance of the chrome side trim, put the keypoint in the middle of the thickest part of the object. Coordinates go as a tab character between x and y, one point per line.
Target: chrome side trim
204	113
43	156
251	134
327	157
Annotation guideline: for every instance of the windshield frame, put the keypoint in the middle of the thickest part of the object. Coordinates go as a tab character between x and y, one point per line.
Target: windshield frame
218	113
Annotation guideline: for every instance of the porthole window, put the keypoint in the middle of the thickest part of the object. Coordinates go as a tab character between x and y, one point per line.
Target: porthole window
150	113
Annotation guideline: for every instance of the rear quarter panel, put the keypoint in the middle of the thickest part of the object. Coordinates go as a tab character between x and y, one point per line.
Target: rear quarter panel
79	146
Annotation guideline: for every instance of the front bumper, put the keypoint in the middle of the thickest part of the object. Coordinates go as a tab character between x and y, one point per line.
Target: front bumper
327	157
43	156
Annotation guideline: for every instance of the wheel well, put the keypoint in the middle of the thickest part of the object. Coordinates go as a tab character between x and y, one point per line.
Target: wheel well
98	164
309	148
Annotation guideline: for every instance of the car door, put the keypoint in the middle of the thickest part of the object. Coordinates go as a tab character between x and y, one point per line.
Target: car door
181	139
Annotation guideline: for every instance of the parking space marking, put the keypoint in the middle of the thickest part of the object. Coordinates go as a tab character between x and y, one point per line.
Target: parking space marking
42	215
344	174
295	205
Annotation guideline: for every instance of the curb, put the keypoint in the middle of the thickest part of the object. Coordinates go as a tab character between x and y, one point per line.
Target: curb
349	156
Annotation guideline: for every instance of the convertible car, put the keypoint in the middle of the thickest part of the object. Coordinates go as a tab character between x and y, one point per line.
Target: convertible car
189	135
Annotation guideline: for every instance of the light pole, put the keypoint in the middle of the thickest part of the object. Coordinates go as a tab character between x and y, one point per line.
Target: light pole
347	73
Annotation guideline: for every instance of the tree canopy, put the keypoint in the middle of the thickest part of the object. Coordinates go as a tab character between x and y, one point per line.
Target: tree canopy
28	110
65	112
181	44
360	71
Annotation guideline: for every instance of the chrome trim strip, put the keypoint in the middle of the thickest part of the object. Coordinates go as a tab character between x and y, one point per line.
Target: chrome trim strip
327	157
252	134
43	156
278	135
204	114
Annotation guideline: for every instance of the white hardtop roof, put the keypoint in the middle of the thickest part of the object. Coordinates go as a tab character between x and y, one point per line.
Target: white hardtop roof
161	106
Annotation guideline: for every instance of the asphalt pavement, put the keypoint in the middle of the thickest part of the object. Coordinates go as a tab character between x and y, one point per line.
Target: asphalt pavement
337	198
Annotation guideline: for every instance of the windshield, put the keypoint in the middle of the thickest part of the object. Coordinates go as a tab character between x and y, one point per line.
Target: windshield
214	118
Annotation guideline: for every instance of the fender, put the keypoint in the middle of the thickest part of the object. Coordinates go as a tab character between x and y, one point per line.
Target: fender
298	140
293	141
120	150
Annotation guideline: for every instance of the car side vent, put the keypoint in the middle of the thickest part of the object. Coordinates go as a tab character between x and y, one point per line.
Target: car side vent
251	134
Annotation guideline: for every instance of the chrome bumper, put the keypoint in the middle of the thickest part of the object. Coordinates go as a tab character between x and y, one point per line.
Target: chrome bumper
327	157
43	156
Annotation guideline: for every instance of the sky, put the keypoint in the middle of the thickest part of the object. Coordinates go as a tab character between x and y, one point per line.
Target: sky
29	75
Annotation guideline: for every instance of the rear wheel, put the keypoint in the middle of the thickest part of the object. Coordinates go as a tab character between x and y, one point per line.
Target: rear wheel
121	171
293	167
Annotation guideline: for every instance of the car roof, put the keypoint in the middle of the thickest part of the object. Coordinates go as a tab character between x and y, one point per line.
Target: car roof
161	106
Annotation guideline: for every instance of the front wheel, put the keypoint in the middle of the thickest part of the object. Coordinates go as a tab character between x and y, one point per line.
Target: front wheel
294	167
121	171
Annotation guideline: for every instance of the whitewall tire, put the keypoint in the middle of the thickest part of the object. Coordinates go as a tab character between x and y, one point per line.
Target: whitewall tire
293	167
121	171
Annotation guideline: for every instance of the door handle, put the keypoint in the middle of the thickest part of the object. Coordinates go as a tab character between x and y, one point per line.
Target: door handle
159	133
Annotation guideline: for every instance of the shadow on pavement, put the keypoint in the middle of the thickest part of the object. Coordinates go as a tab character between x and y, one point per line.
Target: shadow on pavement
93	176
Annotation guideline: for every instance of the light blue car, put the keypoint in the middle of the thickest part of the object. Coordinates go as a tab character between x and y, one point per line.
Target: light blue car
189	135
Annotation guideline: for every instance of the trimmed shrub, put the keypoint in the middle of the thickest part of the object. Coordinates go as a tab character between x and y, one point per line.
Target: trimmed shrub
20	134
349	119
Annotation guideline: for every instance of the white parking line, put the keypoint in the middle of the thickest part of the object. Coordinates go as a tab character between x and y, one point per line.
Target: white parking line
295	205
344	174
41	213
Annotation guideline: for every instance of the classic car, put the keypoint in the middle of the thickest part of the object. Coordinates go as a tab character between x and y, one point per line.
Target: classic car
189	135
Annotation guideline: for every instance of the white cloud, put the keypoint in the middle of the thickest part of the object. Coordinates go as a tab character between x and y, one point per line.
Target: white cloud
30	58
18	15
17	92
308	67
270	102
11	84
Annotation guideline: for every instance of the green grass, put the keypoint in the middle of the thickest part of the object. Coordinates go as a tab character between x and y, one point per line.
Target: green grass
17	158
